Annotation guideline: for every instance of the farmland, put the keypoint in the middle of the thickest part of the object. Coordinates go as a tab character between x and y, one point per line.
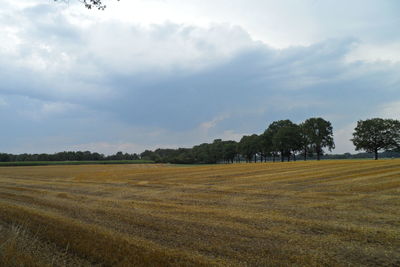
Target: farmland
263	214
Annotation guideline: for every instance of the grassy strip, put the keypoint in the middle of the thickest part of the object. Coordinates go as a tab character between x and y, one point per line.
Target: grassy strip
96	162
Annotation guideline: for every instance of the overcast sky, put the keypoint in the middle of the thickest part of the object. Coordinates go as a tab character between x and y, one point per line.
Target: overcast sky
172	73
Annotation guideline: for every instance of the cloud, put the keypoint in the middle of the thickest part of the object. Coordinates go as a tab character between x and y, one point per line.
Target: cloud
71	79
110	148
390	110
389	52
207	125
342	137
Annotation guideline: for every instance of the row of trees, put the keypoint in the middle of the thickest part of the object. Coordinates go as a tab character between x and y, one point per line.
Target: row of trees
282	139
67	156
286	140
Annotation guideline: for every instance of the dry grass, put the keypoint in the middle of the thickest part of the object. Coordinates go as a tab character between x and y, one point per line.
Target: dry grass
301	213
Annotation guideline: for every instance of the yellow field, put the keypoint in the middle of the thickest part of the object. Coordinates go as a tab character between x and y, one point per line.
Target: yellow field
298	213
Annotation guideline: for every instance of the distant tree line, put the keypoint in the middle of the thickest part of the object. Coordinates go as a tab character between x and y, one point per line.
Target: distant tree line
363	155
282	140
285	140
67	156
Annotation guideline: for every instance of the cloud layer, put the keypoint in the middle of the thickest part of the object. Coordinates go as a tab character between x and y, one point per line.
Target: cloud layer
71	79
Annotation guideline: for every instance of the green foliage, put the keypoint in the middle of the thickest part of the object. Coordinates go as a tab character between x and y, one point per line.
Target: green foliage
230	151
287	140
374	135
249	146
318	133
265	146
276	139
282	138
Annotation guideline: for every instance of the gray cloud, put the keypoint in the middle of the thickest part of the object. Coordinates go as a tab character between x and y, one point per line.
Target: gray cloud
120	85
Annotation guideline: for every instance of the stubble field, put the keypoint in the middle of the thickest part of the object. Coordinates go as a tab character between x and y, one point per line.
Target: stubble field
337	213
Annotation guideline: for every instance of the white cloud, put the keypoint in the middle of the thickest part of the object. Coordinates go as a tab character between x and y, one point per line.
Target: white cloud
57	107
389	52
3	102
149	73
342	138
167	47
390	110
208	125
109	148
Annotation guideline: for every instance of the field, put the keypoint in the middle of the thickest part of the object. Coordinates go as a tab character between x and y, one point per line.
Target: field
337	213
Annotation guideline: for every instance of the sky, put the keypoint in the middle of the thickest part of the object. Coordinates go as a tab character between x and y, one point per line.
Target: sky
146	74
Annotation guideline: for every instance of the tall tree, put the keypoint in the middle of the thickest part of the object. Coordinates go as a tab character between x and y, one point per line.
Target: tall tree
265	146
229	150
217	150
202	153
271	131
319	133
248	147
287	140
374	135
306	144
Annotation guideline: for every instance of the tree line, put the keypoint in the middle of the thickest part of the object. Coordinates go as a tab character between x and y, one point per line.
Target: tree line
286	140
67	156
282	140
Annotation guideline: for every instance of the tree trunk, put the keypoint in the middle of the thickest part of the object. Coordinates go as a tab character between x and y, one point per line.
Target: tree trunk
319	150
305	154
282	157
376	154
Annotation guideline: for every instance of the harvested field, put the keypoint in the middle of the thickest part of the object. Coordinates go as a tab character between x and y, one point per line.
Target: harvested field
339	213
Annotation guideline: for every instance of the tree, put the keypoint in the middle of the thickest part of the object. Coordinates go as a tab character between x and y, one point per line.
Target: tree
287	140
217	150
248	147
202	153
265	145
229	151
319	134
271	131
306	144
374	135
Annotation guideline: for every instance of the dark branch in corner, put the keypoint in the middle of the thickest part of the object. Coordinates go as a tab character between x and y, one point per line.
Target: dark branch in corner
89	4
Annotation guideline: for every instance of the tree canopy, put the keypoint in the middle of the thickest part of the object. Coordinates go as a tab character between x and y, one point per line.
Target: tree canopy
374	135
318	134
